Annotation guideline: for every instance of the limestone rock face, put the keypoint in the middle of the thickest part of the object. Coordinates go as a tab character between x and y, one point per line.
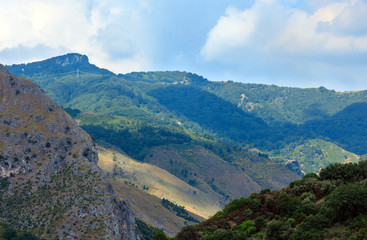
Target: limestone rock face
70	59
50	183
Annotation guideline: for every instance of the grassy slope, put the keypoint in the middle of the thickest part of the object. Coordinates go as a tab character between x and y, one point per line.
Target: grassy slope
221	170
315	154
149	208
157	182
210	173
203	170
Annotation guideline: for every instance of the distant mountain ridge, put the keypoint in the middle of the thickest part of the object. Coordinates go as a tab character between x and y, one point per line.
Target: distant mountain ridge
286	111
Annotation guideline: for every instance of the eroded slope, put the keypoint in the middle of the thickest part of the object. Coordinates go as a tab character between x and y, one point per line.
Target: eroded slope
50	182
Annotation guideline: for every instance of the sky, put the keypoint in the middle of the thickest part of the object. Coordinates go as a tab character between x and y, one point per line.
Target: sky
295	43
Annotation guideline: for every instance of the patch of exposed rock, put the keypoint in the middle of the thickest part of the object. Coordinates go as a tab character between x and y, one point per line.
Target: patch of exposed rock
50	183
294	166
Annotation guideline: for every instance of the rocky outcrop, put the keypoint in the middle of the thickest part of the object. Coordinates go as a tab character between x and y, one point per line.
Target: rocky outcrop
294	166
71	58
50	183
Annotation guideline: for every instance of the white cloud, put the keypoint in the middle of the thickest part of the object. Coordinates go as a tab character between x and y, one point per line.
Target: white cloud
47	22
76	26
272	27
292	43
232	31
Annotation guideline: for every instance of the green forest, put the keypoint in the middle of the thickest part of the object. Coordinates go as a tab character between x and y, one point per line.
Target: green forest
330	205
8	233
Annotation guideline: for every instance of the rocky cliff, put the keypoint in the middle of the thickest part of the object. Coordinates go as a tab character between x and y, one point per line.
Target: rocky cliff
50	183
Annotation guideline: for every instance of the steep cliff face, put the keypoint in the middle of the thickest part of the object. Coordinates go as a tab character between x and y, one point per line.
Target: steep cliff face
50	183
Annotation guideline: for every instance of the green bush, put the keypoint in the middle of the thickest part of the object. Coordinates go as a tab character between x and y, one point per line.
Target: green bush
222	234
312	234
9	233
345	172
347	201
358	222
287	204
308	209
318	221
246	225
255	205
260	223
158	234
188	233
237	204
278	231
291	222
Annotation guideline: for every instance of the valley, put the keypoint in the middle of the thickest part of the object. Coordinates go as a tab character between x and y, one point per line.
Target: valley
178	138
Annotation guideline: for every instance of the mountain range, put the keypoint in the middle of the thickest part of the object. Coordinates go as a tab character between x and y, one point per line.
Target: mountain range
217	140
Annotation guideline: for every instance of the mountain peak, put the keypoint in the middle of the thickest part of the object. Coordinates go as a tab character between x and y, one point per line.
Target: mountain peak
4	73
69	63
70	59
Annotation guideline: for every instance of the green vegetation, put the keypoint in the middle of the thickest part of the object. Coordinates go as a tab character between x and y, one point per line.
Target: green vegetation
144	230
329	206
74	113
315	154
135	137
179	210
279	105
7	233
158	234
347	128
267	117
211	112
186	153
193	119
4	184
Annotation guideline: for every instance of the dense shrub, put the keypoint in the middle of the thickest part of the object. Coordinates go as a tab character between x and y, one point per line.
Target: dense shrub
345	172
287	204
188	233
278	231
313	208
260	223
158	234
347	201
312	228
8	233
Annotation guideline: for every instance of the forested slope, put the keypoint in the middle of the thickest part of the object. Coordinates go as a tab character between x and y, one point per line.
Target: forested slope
329	206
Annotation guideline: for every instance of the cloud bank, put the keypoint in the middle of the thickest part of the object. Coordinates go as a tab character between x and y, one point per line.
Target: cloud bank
106	31
281	41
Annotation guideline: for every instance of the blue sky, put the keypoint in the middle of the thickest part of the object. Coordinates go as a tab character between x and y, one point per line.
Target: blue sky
294	43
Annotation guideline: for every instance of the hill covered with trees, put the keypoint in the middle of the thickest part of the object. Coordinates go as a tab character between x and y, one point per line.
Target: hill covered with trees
329	206
267	117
